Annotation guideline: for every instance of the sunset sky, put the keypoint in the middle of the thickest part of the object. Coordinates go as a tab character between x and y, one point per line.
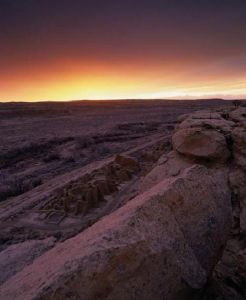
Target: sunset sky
105	49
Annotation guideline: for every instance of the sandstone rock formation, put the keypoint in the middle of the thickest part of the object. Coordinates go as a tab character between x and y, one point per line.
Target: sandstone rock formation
216	140
239	115
168	166
211	139
198	143
239	146
165	243
151	248
206	120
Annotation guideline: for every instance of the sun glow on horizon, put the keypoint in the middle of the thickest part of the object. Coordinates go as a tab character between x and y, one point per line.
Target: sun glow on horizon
114	88
105	82
75	50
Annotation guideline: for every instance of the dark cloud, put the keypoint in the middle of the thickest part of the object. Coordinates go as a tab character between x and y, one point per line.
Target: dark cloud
116	29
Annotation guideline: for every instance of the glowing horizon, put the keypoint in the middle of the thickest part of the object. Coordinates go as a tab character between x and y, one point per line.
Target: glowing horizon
122	50
112	87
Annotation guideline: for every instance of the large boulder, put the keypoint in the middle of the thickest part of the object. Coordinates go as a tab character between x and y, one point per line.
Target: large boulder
161	245
201	143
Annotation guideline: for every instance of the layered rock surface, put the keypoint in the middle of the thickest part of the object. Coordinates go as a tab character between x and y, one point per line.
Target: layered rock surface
217	140
161	245
201	143
165	242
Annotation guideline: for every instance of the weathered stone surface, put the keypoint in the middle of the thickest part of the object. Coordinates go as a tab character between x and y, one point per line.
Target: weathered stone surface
165	243
239	139
14	258
161	245
218	124
238	115
199	143
206	120
237	179
228	279
126	162
239	146
170	165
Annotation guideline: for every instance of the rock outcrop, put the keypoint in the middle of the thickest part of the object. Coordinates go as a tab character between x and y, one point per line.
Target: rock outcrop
238	115
239	146
165	243
199	143
206	120
161	245
218	141
168	166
